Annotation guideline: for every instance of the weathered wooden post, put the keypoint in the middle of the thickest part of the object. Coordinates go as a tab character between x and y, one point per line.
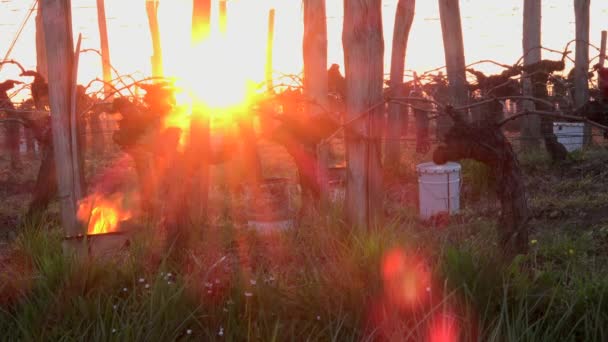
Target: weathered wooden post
76	124
601	81
269	48
58	38
41	67
363	43
581	68
531	42
157	53
453	45
105	47
198	150
403	23
223	16
201	20
315	77
603	49
12	129
421	113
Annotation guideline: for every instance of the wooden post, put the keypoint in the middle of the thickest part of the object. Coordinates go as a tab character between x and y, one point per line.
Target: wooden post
531	42
403	23
157	53
41	67
12	129
198	152
603	49
581	68
453	45
105	47
58	38
363	43
223	17
75	124
601	79
269	47
314	49
201	20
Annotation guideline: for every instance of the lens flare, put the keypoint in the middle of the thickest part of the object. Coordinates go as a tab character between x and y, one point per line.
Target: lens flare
215	76
444	328
406	278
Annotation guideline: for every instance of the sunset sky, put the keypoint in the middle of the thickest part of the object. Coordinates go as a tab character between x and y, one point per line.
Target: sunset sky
492	30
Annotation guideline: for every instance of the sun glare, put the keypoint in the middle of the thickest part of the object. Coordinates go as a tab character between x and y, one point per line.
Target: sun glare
215	76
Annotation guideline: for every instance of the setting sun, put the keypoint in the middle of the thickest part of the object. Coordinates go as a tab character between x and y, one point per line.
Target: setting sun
201	78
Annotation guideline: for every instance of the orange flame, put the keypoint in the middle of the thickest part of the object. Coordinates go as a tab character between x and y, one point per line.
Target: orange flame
102	214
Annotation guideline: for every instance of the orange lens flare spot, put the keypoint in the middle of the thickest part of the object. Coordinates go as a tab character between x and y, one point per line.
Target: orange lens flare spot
102	214
406	278
444	328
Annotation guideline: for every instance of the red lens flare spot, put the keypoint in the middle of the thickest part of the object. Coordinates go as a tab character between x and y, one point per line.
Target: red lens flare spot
406	278
444	328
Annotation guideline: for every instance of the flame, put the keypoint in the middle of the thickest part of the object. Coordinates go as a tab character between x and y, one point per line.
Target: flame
102	213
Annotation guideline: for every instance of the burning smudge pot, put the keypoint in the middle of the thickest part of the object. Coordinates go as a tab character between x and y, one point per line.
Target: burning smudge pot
105	245
108	226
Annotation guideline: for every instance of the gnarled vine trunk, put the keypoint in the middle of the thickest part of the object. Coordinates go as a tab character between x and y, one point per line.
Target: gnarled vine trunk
489	146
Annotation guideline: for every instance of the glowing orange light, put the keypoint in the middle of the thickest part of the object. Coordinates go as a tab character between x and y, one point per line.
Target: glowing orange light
406	278
444	328
102	214
214	73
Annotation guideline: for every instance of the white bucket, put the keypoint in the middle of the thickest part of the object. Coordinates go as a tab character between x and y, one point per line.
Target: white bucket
570	134
438	188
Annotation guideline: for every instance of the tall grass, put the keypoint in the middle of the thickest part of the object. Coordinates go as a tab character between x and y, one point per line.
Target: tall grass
323	282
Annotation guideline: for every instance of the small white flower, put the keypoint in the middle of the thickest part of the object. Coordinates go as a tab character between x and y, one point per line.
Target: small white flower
189	331
125	289
208	285
248	294
221	332
318	318
113	330
115	306
169	274
208	291
169	282
253	282
147	286
141	280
